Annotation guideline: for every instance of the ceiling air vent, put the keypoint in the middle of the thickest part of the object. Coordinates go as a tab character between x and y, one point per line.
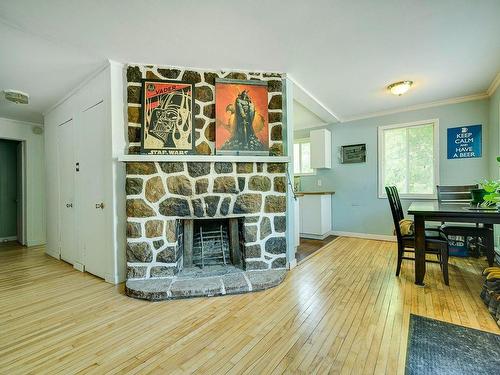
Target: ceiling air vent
15	96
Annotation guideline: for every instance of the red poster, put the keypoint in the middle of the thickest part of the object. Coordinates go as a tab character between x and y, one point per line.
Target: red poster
241	117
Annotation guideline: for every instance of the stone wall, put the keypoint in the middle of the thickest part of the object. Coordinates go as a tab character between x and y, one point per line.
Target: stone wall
160	194
204	82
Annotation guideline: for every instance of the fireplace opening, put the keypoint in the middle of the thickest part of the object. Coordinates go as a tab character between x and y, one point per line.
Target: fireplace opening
212	242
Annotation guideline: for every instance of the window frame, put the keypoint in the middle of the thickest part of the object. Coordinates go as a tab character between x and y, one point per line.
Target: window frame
300	141
381	159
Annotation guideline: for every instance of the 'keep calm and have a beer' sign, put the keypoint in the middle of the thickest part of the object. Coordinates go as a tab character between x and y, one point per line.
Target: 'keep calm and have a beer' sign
464	142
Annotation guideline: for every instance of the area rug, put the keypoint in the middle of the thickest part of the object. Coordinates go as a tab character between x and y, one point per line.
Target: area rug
436	347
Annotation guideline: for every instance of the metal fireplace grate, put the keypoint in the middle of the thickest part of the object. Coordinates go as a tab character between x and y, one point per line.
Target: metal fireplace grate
210	247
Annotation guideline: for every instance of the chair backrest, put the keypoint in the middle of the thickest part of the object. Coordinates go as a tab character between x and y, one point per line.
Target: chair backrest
396	209
455	194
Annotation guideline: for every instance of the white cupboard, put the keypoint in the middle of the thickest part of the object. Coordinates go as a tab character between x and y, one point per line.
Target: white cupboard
66	166
92	178
321	148
85	181
315	211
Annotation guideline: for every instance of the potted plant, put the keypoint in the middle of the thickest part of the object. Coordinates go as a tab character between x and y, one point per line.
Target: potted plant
492	192
478	195
490	195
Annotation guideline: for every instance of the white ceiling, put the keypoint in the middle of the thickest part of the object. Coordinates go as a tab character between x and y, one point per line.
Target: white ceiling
343	52
44	69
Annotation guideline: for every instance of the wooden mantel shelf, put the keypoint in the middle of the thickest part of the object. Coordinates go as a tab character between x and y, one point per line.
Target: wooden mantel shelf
208	158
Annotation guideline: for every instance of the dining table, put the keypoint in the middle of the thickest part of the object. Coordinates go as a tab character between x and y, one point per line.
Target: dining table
436	211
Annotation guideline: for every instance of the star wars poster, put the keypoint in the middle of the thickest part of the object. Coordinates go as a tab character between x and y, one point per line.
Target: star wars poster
241	117
167	118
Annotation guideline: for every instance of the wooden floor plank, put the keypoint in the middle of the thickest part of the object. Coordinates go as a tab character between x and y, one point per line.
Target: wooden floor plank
342	310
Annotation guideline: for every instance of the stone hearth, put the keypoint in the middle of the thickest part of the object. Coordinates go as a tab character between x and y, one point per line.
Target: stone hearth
164	197
208	283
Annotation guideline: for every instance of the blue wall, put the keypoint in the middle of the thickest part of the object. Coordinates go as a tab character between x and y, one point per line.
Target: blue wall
494	138
355	205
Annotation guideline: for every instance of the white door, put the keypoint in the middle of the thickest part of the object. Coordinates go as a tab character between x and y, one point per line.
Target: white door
66	160
92	187
20	193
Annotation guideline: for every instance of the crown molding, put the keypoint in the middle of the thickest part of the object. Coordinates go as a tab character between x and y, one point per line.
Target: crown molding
438	103
315	126
31	123
308	100
494	85
460	99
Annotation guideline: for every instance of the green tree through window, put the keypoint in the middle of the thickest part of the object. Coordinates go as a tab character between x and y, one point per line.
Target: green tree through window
407	157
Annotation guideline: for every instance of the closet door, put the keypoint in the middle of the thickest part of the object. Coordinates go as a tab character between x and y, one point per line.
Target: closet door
66	161
92	176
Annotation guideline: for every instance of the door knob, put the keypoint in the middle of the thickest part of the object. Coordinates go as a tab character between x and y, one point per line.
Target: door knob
68	205
100	205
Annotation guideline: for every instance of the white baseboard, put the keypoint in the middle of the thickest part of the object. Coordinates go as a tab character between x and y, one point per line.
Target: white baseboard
52	254
109	278
368	236
78	266
8	239
292	264
317	236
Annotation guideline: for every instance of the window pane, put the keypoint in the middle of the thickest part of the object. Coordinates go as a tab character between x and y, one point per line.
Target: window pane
421	159
306	157
409	159
296	158
395	158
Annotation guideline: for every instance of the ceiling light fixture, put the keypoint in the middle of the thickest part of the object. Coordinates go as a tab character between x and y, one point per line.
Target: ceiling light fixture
399	88
16	96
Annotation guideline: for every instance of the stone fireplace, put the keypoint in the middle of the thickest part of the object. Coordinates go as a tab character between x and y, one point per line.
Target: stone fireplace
168	198
236	208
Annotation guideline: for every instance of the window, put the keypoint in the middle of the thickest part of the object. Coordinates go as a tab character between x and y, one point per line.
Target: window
408	158
302	157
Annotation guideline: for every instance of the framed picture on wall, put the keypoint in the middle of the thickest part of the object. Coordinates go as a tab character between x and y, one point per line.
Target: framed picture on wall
465	142
167	117
351	154
241	120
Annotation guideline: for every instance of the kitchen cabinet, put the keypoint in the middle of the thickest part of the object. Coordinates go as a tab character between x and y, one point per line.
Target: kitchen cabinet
315	214
321	148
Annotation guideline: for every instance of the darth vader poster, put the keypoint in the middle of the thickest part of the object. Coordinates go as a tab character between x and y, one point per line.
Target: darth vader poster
167	118
241	117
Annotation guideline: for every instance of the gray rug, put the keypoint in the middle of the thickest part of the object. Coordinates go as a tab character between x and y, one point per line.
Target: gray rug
436	347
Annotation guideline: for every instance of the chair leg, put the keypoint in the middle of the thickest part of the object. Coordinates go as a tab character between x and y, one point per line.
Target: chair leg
444	265
400	259
490	247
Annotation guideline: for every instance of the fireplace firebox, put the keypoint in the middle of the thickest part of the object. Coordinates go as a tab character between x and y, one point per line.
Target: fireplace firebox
209	242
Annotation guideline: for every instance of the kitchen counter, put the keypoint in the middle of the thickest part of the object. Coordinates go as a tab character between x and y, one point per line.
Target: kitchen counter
302	193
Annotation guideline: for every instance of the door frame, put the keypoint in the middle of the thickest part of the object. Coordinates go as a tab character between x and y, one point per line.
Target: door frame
21	237
21	231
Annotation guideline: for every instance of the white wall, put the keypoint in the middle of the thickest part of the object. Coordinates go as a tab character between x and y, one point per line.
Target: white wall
35	177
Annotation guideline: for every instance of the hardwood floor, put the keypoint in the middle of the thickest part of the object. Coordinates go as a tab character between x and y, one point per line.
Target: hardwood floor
308	246
340	311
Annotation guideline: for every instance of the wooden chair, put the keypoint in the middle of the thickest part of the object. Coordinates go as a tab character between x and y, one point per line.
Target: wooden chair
462	195
435	240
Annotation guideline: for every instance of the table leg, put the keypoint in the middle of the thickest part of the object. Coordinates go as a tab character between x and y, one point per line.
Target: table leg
419	249
490	244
